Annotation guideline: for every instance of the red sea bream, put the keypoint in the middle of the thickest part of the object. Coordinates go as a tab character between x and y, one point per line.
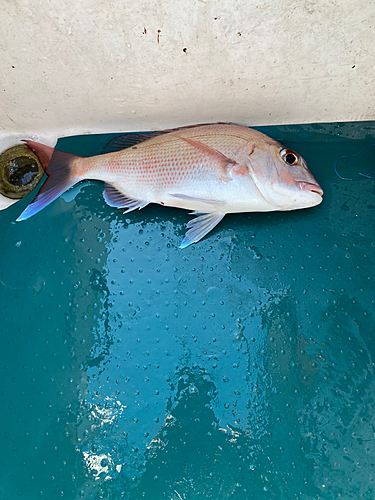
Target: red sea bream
209	169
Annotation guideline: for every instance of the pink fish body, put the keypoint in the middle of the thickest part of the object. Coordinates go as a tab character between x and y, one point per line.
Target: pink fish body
209	169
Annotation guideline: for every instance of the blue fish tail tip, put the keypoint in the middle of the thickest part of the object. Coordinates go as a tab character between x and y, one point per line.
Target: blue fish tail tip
22	217
185	243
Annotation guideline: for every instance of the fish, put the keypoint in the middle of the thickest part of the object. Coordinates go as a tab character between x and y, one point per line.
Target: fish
211	170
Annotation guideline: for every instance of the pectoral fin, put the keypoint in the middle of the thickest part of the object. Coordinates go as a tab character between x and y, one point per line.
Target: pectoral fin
224	163
200	226
193	198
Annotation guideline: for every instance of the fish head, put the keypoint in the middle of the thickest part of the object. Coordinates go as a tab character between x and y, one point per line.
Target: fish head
282	177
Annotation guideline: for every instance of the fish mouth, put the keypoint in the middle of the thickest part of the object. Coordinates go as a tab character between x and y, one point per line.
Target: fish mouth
308	186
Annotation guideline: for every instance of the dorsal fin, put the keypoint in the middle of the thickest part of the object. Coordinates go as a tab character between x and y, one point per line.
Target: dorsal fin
134	138
129	140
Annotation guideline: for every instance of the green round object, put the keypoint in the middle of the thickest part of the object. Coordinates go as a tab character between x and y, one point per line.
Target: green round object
20	172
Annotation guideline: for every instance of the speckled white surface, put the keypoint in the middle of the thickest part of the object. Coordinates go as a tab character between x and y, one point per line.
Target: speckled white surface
94	66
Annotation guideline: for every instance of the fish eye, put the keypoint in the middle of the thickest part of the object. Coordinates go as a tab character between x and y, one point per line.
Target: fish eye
289	157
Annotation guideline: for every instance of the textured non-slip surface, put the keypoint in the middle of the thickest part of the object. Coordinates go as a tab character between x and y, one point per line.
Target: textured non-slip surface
241	367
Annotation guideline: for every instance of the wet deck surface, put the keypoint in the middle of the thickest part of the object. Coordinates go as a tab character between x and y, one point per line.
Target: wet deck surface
241	367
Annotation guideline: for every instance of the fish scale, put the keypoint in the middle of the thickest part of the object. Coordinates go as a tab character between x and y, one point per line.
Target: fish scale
161	170
161	157
209	169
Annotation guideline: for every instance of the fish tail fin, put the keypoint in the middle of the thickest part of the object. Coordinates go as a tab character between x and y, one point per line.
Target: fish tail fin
59	167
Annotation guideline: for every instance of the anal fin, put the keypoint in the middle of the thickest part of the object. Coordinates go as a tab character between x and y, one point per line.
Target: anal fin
114	198
200	226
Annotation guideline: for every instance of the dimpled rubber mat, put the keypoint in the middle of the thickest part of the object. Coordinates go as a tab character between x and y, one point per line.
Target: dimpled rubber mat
241	367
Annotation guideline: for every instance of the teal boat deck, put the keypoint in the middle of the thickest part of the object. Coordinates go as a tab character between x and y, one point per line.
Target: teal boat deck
241	367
